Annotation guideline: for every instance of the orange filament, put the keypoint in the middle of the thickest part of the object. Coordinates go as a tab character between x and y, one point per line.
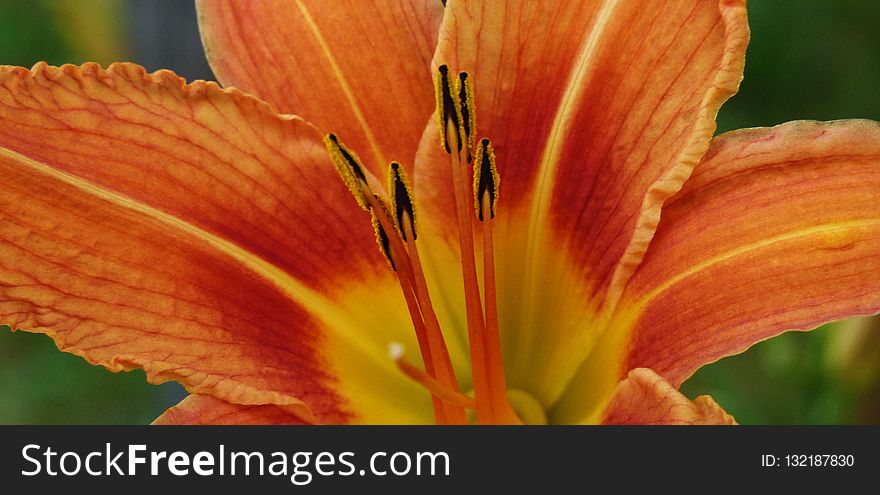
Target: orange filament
435	335
436	342
494	365
486	367
421	334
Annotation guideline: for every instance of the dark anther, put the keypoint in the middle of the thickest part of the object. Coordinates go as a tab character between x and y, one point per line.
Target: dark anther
355	167
402	200
447	107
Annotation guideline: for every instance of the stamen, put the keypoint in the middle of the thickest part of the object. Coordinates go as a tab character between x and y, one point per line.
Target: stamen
383	241
349	166
396	235
437	389
485	348
446	108
404	208
473	305
486	182
466	113
401	199
486	179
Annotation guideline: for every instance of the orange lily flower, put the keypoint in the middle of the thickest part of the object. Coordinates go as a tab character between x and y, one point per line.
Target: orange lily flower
204	235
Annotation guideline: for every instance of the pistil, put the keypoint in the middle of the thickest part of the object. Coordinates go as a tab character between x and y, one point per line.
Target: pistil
440	390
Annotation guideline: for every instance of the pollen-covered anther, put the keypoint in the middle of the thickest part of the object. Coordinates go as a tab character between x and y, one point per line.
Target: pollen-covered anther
447	109
382	240
466	112
401	200
349	166
486	179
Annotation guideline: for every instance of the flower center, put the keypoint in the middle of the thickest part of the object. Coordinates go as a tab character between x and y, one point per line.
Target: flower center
394	223
527	407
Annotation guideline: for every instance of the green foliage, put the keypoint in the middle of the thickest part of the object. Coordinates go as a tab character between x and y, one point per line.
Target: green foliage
40	385
780	381
808	59
26	38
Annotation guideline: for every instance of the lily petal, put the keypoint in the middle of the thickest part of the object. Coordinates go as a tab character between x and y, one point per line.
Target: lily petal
207	410
594	127
645	398
358	68
193	232
778	229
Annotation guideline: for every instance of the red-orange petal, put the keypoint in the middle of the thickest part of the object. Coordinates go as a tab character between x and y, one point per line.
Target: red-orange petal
778	229
645	398
207	410
125	289
193	232
359	68
220	159
598	111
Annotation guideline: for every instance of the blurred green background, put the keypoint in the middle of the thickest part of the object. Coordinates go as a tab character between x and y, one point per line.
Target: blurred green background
808	59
